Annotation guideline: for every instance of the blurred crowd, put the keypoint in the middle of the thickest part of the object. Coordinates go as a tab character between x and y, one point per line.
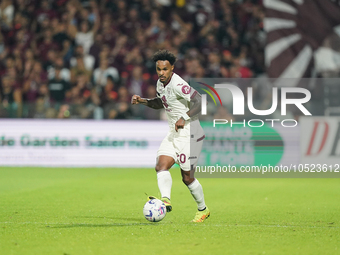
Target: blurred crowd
85	58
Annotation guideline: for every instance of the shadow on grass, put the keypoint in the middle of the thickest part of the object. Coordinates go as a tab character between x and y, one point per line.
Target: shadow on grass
121	222
108	225
135	219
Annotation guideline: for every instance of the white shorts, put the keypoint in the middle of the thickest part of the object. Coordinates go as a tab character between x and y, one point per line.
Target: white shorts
183	146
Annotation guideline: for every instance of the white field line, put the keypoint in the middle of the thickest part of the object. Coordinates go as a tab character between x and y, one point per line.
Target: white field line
134	224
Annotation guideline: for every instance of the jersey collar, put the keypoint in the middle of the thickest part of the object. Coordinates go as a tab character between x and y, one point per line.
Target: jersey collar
168	80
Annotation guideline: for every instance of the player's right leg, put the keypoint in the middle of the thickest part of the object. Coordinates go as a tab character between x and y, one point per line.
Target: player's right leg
164	180
165	159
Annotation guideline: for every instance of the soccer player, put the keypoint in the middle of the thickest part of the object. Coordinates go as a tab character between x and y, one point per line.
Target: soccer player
184	141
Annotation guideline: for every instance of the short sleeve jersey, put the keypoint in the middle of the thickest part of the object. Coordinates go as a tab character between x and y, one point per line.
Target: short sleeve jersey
175	96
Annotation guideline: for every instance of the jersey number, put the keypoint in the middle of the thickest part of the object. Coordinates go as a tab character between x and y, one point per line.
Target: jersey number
182	158
164	102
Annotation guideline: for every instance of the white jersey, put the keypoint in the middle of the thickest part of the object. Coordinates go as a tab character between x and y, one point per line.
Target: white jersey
175	96
185	145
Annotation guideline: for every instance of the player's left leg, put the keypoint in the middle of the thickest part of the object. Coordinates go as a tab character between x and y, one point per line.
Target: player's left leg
188	158
196	191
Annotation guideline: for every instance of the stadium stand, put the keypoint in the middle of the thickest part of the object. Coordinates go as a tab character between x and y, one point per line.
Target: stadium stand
84	59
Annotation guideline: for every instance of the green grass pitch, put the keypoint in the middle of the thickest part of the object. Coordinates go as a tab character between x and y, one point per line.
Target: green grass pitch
99	211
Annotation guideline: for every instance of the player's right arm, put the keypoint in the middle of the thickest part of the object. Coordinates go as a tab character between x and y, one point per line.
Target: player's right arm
155	103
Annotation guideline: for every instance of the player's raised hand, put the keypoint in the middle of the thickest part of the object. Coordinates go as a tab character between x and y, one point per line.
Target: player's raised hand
179	124
135	99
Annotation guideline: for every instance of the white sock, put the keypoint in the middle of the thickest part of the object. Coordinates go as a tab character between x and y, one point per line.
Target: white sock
196	191
164	181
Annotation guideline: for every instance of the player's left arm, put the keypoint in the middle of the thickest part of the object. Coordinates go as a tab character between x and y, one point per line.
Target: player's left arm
195	104
195	108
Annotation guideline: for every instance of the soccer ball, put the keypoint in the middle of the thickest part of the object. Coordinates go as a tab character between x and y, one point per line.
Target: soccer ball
154	210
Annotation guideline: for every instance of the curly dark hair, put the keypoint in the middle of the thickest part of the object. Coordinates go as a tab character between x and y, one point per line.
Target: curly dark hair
164	55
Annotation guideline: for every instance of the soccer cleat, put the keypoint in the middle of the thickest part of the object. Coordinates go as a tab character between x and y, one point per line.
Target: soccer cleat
166	201
152	197
201	215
